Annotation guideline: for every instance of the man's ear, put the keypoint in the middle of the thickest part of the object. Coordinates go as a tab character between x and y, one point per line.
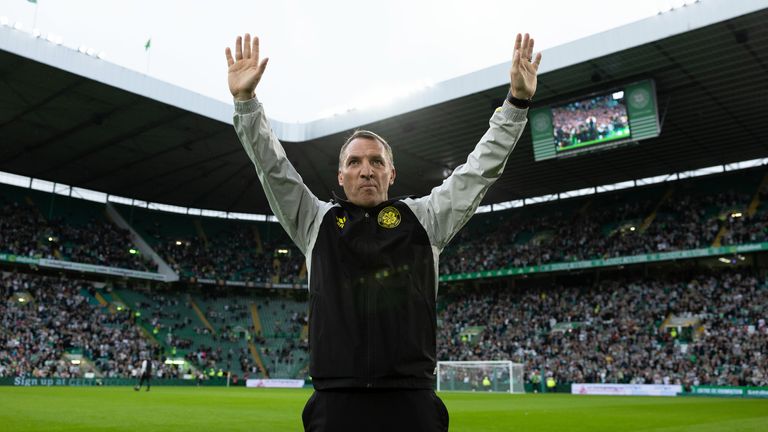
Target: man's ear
341	179
392	179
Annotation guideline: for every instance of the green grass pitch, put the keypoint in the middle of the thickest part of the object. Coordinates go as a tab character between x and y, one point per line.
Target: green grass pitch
185	409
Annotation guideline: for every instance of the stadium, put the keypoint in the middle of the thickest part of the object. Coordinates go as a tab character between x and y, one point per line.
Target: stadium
615	277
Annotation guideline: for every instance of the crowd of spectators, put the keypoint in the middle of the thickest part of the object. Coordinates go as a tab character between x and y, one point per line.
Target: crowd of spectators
615	337
747	228
232	254
56	318
613	332
612	227
25	231
295	346
609	332
183	336
282	345
236	360
160	313
610	230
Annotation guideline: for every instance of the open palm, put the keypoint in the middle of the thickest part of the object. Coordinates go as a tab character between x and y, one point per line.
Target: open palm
524	68
245	69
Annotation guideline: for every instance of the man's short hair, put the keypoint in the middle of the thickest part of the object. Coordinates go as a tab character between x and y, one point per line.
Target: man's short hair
360	133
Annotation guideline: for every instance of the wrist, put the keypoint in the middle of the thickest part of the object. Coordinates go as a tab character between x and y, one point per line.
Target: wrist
242	97
518	102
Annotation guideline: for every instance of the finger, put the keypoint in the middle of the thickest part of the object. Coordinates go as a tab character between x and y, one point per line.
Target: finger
516	60
247	46
524	48
230	60
256	48
239	48
263	66
518	40
537	61
530	50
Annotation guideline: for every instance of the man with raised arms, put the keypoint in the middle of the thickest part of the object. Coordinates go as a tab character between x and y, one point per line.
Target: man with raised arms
372	260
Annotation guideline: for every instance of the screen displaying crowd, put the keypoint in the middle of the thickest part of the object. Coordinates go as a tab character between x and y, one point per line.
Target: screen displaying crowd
590	121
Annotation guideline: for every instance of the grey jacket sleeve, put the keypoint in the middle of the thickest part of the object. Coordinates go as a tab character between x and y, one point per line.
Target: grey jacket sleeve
290	200
449	206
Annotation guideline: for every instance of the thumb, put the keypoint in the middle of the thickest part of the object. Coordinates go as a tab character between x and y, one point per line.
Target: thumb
263	65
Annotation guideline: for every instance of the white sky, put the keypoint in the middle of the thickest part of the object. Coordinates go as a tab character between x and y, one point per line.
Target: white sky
323	54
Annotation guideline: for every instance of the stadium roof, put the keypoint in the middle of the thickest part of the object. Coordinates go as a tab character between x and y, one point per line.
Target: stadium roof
71	118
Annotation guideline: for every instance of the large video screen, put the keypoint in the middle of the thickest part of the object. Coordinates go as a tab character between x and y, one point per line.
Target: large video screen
609	118
589	122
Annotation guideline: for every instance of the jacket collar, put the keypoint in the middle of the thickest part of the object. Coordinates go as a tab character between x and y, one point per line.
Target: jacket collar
350	206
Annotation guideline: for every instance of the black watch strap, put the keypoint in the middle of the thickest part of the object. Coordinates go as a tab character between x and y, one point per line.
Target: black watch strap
519	103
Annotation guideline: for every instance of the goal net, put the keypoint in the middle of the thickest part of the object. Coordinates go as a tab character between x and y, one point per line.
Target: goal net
489	376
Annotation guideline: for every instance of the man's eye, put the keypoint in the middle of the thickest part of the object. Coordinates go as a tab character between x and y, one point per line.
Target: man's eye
378	162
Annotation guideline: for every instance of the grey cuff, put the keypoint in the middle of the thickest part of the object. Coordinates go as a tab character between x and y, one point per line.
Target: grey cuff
513	113
247	107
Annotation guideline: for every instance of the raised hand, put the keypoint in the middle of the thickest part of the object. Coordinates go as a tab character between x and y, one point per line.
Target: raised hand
245	70
524	68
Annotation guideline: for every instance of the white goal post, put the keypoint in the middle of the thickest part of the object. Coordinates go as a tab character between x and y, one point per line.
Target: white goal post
491	376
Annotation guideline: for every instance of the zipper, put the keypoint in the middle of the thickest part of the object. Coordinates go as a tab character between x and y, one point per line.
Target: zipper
368	322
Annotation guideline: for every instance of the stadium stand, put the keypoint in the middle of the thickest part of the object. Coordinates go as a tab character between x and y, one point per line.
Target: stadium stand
73	230
680	216
219	249
48	320
594	336
109	330
618	331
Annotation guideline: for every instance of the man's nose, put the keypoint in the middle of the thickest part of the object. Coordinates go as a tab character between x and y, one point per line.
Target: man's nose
366	170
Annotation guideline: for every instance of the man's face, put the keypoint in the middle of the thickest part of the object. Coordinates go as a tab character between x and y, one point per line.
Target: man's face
366	172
